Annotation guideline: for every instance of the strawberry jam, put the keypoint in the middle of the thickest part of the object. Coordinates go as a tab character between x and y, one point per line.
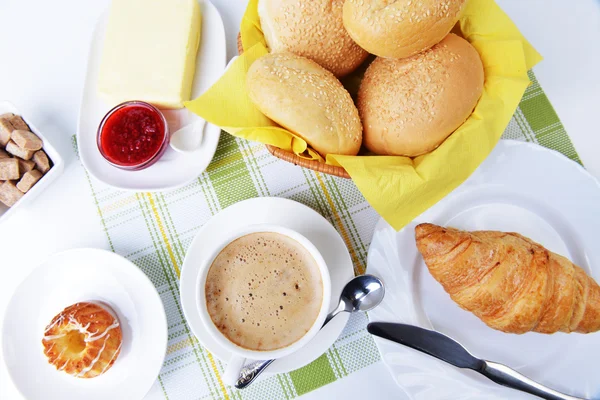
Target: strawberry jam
133	135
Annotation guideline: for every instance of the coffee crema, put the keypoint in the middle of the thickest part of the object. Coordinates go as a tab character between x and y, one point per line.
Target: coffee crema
264	291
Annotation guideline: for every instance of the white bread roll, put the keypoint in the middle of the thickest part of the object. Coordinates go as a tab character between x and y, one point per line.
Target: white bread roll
308	100
410	106
400	28
313	29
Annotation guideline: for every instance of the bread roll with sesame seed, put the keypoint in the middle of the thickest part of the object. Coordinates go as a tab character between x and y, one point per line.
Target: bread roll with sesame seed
313	29
400	28
308	100
410	106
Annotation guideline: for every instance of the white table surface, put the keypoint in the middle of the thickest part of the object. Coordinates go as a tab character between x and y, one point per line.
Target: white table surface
44	51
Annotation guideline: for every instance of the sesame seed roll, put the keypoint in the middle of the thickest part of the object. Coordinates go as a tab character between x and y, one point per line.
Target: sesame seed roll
313	29
308	100
410	106
400	28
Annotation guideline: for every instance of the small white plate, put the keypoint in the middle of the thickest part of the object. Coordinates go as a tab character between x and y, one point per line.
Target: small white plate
53	155
521	188
174	169
80	275
286	213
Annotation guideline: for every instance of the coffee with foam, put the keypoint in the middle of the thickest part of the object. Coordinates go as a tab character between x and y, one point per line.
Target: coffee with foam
264	291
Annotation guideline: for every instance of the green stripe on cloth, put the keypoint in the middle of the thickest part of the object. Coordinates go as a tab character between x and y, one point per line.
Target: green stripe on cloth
318	373
544	121
229	174
155	230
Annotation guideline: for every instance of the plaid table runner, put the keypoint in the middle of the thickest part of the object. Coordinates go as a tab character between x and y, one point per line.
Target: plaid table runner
154	230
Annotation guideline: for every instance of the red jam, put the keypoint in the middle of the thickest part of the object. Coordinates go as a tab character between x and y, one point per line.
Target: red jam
132	135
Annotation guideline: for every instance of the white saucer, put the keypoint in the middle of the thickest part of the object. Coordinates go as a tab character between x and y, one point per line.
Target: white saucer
174	169
521	188
83	275
289	214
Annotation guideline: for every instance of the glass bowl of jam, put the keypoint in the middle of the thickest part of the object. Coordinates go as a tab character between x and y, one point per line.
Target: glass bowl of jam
133	135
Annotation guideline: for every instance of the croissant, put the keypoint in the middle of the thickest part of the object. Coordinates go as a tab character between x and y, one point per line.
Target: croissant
510	282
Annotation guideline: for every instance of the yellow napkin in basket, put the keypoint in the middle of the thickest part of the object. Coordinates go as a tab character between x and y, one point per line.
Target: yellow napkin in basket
398	188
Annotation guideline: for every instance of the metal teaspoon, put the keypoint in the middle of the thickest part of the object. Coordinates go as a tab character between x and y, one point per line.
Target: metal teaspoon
362	293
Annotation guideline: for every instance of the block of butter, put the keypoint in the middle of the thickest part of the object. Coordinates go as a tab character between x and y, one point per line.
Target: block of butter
149	51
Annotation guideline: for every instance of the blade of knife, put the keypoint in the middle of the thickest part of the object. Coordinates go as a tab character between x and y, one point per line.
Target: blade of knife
446	349
430	342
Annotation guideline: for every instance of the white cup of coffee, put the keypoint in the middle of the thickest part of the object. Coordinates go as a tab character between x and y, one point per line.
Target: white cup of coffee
263	294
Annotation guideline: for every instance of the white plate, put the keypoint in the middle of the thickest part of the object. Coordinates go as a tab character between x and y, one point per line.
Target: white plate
65	279
174	169
55	171
524	188
286	213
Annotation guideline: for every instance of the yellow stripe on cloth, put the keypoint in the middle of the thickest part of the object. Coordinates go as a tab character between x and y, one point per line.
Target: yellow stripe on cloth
179	346
360	268
214	367
112	207
161	228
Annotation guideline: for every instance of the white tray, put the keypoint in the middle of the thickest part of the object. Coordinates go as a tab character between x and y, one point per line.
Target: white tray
523	188
85	275
174	169
55	171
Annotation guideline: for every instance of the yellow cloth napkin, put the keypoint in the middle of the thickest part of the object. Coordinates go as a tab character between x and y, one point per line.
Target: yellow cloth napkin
399	188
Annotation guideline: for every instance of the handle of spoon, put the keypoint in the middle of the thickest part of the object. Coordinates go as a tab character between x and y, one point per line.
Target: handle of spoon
251	371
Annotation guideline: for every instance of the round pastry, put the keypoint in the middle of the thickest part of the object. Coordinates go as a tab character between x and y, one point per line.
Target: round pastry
401	28
410	106
313	29
84	340
308	100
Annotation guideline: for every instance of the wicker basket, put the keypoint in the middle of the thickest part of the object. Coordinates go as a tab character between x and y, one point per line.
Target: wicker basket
293	158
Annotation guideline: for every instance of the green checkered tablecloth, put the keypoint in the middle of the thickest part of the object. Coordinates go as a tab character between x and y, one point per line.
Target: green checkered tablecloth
153	230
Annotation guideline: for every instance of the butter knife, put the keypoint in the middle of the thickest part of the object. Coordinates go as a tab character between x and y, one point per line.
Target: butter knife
446	349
